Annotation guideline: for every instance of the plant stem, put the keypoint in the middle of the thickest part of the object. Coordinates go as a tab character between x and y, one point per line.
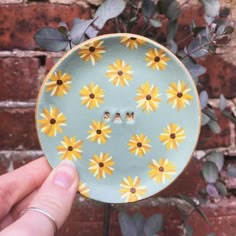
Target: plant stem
106	223
182	40
229	116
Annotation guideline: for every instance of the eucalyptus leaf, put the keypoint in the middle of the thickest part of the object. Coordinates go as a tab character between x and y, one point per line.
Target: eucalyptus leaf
212	191
163	5
212	7
63	28
51	39
108	10
79	29
172	46
172	27
155	23
214	126
203	99
148	8
205	119
189	230
231	171
221	188
127	225
210	172
139	222
217	158
208	110
222	102
153	224
198	47
173	11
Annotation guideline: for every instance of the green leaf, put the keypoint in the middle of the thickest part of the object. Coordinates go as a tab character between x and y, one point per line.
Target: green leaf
139	222
210	112
127	225
205	119
189	229
163	5
153	225
210	172
217	158
173	11
212	191
198	47
214	126
51	39
63	28
221	188
148	8
172	46
212	7
222	102
155	23
79	29
203	99
108	10
172	27
231	171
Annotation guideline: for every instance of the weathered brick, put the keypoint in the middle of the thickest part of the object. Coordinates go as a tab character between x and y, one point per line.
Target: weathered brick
19	78
210	140
17	129
17	30
219	78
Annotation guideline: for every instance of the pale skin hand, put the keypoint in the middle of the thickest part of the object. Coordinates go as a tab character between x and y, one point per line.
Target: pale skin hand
36	185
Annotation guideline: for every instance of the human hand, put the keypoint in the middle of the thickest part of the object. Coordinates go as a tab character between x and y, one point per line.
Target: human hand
35	185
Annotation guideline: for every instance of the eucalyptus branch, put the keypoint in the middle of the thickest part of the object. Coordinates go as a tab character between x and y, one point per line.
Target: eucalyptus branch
184	39
229	116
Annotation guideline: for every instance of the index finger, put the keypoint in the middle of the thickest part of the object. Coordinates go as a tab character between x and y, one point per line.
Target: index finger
14	186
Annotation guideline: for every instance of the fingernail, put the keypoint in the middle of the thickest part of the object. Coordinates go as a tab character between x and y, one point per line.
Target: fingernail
65	174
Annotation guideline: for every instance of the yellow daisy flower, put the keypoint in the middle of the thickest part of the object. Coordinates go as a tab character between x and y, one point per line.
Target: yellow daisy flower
119	73
83	189
148	97
162	170
59	84
131	189
99	132
91	96
92	52
131	42
70	149
138	145
156	59
178	95
52	121
172	137
101	165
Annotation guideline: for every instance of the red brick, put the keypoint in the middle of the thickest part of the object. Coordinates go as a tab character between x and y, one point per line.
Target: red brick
19	78
19	22
210	140
17	129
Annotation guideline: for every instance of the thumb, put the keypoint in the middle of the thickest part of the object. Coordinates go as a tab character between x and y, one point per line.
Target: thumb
54	197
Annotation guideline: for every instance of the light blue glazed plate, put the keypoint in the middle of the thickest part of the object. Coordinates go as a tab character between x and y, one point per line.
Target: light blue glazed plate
125	110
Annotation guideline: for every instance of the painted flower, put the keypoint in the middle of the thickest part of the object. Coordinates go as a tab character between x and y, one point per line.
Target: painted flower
139	145
91	96
172	136
178	95
148	97
99	132
52	121
161	170
59	84
132	42
119	73
92	52
70	149
131	189
101	165
83	189
156	59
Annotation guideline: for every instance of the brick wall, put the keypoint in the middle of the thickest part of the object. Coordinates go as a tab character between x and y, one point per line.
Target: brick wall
23	67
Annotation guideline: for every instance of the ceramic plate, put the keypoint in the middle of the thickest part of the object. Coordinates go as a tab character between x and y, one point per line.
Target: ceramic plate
125	110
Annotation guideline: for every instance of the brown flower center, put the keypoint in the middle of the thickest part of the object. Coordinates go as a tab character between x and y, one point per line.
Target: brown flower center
70	148
120	72
157	59
92	49
179	95
172	136
132	190
133	38
52	121
161	169
98	131
101	164
91	95
139	144
148	97
59	82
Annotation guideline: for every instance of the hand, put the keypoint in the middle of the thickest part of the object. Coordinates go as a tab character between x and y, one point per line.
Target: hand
36	185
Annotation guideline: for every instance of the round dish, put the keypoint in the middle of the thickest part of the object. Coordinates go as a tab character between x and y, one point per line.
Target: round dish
125	110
